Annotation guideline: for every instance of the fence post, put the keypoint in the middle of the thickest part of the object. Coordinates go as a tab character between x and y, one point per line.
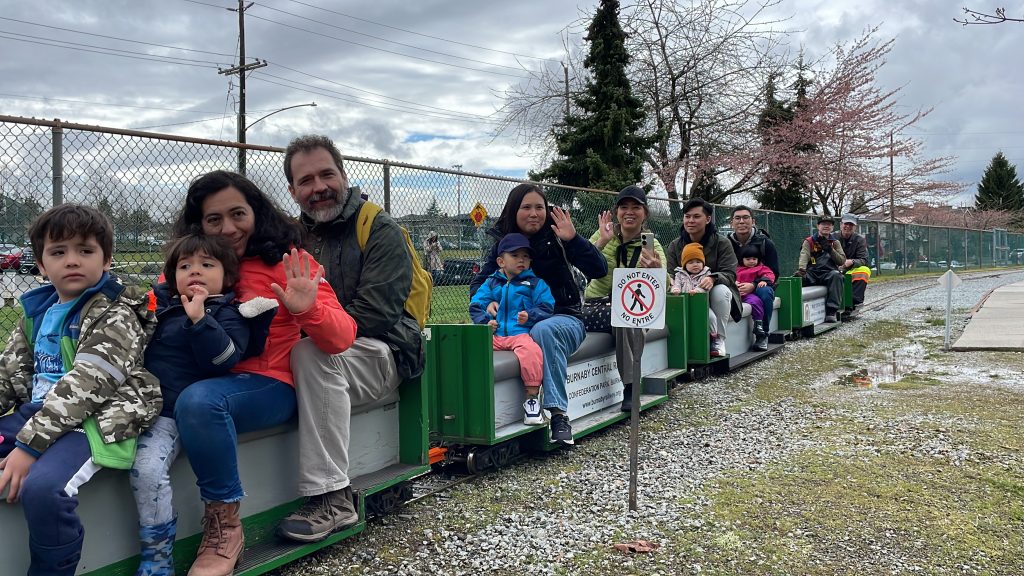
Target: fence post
57	140
387	187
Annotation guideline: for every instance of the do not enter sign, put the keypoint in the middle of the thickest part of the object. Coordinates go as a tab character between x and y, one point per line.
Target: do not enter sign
638	298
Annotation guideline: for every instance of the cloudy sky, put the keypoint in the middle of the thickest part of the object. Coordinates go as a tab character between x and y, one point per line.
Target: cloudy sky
419	81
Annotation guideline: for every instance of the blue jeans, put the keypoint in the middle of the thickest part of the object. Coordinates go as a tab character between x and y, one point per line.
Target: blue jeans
212	413
767	296
558	337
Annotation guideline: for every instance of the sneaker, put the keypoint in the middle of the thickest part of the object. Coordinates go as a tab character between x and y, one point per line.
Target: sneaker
831	318
320	516
533	416
561	431
718	347
627	398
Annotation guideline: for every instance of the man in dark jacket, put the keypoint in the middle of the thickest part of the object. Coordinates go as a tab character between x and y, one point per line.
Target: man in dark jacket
855	247
718	256
372	285
821	255
744	233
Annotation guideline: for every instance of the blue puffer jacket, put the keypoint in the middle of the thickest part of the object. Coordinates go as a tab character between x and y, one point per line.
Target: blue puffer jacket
551	262
181	352
524	292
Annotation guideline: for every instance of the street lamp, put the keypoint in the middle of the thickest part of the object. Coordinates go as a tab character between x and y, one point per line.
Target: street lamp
241	151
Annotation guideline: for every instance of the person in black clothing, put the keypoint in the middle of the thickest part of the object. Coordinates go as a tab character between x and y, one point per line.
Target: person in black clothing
556	248
745	233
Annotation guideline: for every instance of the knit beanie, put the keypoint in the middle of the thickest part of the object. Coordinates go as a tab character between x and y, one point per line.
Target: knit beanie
750	251
692	251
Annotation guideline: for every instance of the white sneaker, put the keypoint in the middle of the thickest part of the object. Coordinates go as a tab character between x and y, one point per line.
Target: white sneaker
532	416
718	347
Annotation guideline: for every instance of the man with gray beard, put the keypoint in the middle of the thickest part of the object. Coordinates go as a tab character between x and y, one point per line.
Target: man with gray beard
373	290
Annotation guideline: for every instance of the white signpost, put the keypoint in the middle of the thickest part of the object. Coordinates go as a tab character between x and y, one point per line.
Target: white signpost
949	280
638	302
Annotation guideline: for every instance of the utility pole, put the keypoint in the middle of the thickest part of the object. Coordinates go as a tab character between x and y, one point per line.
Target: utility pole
458	190
892	187
565	73
241	69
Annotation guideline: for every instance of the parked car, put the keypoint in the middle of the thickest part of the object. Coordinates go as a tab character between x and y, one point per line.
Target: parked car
28	263
458	271
11	259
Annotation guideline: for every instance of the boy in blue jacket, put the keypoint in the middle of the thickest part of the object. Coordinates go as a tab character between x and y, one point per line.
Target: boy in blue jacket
511	301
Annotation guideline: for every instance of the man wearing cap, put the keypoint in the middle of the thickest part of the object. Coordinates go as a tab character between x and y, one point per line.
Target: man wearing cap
723	297
821	255
855	247
745	233
621	243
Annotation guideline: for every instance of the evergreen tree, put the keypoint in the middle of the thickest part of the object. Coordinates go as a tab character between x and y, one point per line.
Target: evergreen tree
598	145
433	211
999	188
785	188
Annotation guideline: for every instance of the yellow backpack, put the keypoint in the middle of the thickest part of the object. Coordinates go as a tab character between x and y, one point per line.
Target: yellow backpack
418	303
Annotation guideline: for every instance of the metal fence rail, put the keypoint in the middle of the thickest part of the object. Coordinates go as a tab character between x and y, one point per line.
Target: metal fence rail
139	179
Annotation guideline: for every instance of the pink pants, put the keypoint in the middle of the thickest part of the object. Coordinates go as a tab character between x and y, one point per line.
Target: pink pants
531	360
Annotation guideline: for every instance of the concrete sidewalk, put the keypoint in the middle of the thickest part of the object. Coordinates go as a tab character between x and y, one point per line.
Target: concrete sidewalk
999	324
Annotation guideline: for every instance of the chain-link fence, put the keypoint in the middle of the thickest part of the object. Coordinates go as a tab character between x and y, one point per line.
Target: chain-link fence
139	180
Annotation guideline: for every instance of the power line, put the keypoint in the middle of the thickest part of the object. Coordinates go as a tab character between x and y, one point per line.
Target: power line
308	31
349	30
376	93
99	50
326	92
423	35
91	103
179	123
113	37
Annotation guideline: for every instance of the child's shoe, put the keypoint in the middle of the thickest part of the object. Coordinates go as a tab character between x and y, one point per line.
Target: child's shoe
532	416
714	346
718	346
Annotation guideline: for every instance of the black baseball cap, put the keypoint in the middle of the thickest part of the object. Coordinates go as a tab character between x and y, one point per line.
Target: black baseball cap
632	192
826	218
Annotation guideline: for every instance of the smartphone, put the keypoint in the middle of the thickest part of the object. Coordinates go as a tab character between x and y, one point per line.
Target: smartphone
645	240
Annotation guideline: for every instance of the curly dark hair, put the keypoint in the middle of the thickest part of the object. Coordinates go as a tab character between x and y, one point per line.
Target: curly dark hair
273	232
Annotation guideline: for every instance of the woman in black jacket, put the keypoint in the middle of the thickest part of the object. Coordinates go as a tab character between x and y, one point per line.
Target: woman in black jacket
556	249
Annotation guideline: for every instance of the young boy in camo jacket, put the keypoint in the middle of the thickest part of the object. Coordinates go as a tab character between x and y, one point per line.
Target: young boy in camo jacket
76	355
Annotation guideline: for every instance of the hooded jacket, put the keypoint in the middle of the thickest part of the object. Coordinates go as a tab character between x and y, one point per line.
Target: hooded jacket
103	337
763	242
524	292
372	285
683	282
181	353
718	256
552	262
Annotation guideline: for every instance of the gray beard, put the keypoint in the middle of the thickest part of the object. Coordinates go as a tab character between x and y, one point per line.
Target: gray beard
324	214
329	213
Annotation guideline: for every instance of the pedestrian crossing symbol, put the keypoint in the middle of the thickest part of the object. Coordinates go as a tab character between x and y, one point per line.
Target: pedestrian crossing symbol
638	298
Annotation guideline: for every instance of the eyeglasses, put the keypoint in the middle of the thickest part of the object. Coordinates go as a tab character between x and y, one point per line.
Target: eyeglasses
739	218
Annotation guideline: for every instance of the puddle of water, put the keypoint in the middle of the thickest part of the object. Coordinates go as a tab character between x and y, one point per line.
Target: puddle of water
900	362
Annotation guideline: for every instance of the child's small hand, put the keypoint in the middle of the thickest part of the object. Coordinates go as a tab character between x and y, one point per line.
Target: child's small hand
762	284
693	291
15	468
493	324
196	307
522	317
492	308
676	290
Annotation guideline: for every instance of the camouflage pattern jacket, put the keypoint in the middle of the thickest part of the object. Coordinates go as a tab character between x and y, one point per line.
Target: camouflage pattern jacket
102	343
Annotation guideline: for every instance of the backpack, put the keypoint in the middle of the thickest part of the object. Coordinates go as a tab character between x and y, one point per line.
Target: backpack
418	302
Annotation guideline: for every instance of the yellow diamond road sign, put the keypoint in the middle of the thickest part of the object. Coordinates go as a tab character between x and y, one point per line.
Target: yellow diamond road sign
478	214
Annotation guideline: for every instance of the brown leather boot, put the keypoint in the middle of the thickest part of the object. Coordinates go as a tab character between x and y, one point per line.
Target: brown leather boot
223	541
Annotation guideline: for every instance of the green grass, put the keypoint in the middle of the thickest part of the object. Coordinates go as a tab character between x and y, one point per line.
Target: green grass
449	305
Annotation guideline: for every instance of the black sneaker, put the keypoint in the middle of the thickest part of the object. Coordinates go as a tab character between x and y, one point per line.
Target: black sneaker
561	431
627	398
320	516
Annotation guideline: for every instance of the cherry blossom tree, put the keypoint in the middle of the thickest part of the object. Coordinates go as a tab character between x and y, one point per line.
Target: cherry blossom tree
849	140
